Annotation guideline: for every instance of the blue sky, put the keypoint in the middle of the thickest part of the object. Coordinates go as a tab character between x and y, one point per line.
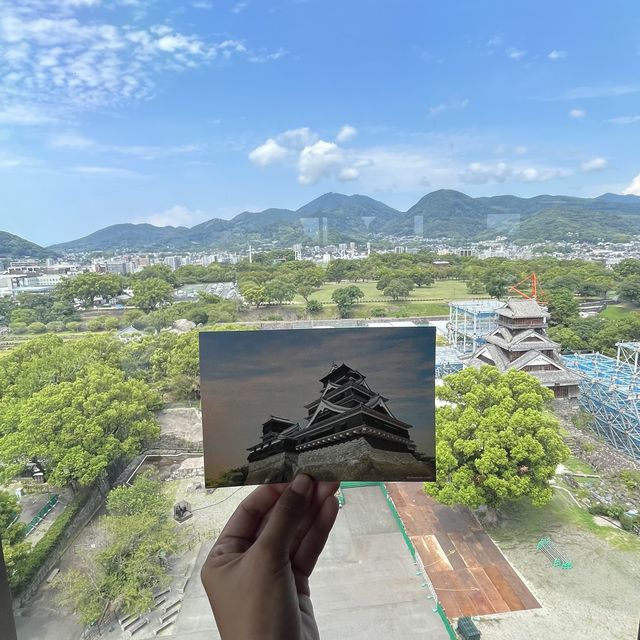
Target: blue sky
173	113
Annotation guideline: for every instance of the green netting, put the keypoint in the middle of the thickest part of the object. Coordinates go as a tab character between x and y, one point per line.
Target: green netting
37	519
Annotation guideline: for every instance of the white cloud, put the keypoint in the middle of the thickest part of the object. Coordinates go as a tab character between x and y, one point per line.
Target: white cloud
262	57
346	133
176	216
634	188
23	115
495	41
348	173
580	93
577	113
56	63
297	138
319	160
483	173
107	171
556	54
596	164
268	153
239	7
624	120
446	106
144	152
70	141
520	150
515	54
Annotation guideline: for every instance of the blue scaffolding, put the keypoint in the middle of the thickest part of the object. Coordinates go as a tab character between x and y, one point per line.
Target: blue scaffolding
447	361
610	392
470	321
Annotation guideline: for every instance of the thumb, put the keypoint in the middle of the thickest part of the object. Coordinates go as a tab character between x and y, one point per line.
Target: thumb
286	515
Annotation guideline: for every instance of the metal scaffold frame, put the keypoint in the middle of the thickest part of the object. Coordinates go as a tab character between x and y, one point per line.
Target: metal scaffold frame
610	392
470	321
447	361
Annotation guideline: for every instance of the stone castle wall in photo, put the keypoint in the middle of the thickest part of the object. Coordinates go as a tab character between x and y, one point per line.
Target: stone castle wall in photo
352	460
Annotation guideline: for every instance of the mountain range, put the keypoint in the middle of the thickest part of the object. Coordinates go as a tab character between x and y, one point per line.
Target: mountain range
334	217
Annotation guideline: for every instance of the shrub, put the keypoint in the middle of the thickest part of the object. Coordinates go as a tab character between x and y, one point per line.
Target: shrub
97	324
631	479
37	327
18	327
314	306
111	323
379	312
27	571
73	326
55	326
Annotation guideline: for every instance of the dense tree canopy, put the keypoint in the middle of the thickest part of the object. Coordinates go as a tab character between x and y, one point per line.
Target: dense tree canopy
496	439
151	293
71	406
86	287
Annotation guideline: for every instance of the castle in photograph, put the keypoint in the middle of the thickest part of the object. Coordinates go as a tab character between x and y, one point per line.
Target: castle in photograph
349	434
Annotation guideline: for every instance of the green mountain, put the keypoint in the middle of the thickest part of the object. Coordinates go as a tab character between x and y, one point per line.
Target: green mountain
16	247
335	217
128	236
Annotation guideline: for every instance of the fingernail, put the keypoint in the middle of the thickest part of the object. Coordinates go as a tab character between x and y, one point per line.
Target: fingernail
301	484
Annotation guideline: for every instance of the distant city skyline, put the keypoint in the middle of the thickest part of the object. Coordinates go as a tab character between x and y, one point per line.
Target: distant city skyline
117	111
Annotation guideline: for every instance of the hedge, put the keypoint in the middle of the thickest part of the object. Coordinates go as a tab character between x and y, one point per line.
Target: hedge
43	548
617	511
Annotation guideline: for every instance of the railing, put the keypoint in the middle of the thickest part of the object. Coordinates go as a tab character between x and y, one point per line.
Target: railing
40	516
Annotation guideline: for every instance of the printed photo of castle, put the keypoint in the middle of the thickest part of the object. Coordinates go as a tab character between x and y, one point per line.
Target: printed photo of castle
346	404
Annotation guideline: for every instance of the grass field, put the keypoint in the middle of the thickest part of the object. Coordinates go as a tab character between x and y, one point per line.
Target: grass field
440	291
616	311
524	522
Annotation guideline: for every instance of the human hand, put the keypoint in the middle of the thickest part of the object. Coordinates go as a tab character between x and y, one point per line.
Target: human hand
257	573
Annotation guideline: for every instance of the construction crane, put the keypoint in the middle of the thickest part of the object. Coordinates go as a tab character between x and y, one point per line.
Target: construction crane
536	292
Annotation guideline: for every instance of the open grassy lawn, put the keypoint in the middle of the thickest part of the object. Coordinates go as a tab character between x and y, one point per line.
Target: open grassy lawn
441	290
526	523
615	311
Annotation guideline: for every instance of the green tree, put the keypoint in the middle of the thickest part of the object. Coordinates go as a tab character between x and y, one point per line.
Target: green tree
69	406
475	287
629	289
568	338
37	327
346	297
397	289
278	290
336	271
183	367
86	287
562	306
496	440
150	293
161	271
254	293
9	509
422	276
627	268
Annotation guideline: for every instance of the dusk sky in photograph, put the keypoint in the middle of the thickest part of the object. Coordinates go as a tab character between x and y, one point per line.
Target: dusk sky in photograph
168	112
248	375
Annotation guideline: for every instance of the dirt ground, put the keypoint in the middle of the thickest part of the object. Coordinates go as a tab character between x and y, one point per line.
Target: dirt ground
598	598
